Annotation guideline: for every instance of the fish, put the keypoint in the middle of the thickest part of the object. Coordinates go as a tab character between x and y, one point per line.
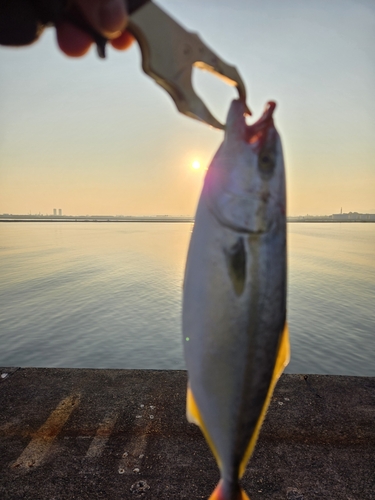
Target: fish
235	335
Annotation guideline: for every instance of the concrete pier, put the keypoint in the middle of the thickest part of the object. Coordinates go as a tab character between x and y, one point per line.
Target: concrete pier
122	434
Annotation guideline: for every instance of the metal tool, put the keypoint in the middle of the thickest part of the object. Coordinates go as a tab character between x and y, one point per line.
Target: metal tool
169	53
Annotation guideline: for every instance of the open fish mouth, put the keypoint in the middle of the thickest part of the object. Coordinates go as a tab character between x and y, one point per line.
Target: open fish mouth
257	132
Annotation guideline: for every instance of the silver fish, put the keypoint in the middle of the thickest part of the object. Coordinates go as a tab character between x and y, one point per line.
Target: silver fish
235	336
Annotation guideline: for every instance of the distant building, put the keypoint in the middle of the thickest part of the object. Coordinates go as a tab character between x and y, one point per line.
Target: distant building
54	211
354	217
60	211
340	216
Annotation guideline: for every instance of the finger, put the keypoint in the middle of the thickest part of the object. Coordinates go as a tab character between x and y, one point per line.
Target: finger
124	41
108	17
72	41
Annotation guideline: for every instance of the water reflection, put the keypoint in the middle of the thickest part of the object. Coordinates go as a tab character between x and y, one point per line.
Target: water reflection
109	295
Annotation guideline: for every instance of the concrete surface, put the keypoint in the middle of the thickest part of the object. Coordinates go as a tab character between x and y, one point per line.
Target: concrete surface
122	434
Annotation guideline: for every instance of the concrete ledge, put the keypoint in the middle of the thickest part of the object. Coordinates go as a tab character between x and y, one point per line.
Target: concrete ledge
122	434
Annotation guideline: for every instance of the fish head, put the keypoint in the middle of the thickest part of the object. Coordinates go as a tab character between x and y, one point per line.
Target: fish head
245	183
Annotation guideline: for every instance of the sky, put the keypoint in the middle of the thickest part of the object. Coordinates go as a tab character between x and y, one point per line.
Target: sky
100	137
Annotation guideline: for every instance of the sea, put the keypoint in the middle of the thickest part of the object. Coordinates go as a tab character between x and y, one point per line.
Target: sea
108	295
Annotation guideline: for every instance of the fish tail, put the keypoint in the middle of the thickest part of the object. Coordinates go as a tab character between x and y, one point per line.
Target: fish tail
227	491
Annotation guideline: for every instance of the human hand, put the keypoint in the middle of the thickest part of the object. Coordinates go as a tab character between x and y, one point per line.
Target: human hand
21	23
107	17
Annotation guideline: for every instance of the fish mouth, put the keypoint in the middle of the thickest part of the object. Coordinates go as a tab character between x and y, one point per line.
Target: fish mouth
257	133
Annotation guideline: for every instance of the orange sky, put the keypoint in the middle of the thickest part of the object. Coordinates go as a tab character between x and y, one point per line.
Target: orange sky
99	137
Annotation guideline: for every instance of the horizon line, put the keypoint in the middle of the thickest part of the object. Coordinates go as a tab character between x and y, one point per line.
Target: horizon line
161	216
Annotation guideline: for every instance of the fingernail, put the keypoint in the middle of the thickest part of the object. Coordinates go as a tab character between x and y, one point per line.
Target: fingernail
113	17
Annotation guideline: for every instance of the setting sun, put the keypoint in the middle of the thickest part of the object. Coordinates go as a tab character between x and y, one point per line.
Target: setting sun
196	164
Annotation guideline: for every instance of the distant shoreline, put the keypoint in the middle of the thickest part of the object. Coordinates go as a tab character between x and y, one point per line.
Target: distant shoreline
100	220
167	220
6	217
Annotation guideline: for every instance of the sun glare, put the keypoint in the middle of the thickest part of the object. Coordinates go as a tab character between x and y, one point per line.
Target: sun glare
196	164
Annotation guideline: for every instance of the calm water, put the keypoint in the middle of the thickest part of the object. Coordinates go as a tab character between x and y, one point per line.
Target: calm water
109	295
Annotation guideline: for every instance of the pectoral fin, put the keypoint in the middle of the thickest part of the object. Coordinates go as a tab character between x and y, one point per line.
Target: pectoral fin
282	360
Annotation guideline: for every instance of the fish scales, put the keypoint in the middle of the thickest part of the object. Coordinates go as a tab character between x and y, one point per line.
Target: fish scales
234	303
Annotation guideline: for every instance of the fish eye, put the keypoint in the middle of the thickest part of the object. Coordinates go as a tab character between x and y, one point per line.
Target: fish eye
267	160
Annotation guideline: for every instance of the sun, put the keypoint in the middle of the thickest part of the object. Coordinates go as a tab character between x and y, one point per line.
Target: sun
196	164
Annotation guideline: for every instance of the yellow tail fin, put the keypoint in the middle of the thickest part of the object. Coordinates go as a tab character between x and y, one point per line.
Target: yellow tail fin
219	493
